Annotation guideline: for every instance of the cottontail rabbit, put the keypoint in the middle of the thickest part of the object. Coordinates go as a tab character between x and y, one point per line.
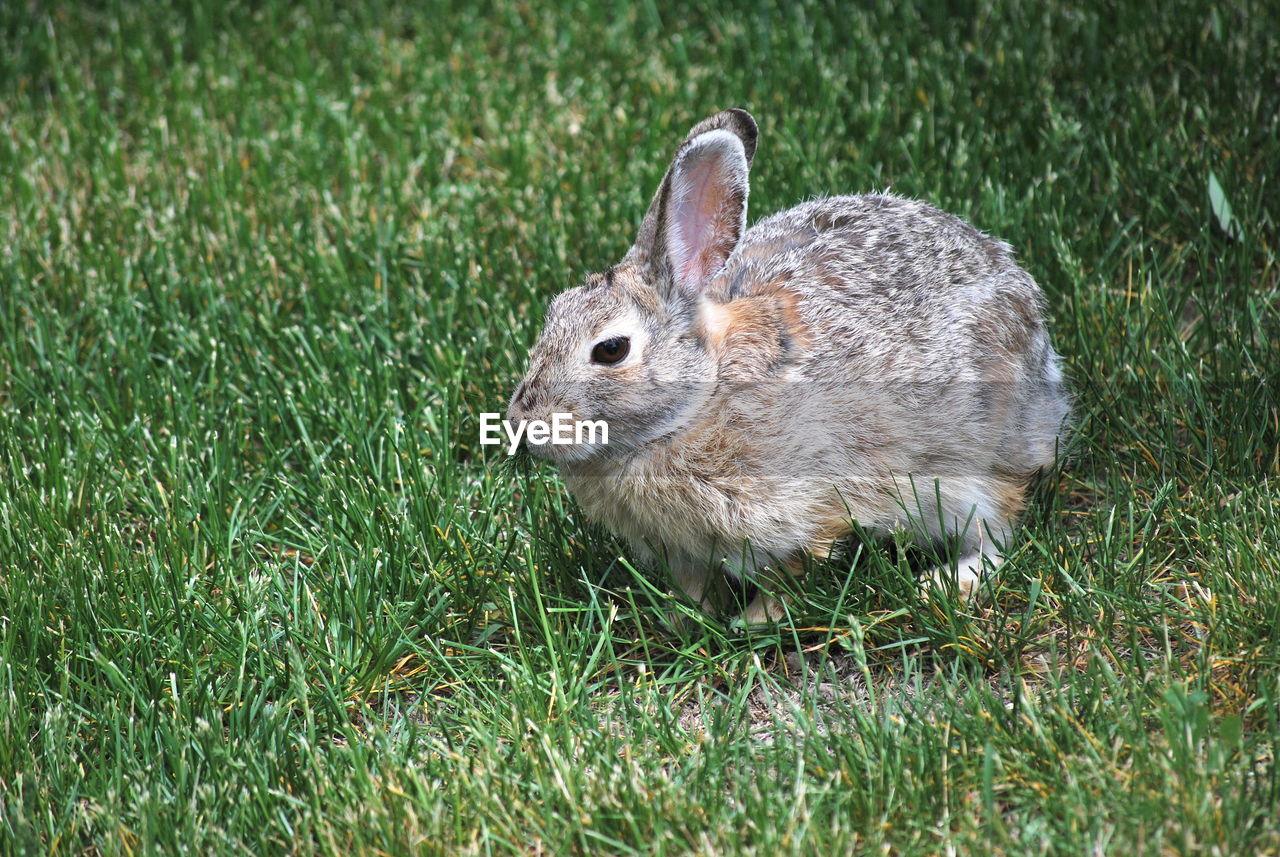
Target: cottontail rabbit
855	358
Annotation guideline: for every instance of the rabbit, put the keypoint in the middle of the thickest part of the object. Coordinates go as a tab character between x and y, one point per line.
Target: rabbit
865	359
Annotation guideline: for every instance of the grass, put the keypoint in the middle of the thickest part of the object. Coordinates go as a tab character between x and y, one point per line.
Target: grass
262	591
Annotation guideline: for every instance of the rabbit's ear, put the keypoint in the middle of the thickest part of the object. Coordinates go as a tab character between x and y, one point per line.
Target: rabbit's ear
700	211
706	208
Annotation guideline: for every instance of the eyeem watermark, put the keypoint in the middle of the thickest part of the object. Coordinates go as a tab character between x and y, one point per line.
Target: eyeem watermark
562	430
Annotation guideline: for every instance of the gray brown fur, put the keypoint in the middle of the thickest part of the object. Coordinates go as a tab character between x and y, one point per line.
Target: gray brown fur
852	358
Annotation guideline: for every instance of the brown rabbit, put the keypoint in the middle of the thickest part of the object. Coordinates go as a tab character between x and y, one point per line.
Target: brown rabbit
855	358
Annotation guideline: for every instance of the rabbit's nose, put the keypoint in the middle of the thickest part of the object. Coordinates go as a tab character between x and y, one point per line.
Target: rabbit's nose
522	402
527	392
521	397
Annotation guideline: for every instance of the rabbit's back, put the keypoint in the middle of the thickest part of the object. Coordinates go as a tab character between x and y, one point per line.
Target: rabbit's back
915	327
894	276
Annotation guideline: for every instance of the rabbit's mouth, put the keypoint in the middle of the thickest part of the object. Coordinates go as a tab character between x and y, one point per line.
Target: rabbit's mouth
569	455
562	438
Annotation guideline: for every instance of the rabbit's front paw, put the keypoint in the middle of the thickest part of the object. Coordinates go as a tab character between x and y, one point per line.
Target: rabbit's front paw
968	574
763	611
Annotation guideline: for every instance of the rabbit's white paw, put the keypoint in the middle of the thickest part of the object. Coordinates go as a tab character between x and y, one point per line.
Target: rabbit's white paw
968	574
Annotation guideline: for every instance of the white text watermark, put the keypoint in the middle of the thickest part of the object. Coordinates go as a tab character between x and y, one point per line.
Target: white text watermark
562	430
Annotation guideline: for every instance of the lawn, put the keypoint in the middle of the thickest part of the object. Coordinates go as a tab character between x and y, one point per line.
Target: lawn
262	591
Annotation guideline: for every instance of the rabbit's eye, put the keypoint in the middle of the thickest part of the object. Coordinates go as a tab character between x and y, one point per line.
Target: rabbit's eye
611	350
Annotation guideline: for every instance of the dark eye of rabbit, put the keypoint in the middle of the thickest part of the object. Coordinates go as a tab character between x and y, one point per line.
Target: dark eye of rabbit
611	350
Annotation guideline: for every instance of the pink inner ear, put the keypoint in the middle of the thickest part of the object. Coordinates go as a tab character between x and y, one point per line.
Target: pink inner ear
706	220
699	221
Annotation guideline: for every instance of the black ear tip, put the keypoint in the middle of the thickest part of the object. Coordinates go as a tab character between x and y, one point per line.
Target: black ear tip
744	125
735	120
743	120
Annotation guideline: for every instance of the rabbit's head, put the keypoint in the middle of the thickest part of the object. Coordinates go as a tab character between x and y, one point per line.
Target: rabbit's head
631	346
